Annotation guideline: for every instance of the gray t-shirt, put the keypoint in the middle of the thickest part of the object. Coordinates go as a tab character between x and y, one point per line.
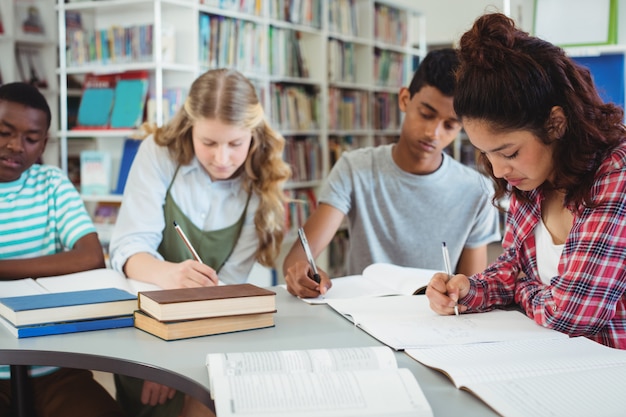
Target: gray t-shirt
403	218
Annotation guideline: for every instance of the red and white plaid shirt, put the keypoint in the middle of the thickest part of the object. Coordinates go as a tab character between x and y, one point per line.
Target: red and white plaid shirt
588	297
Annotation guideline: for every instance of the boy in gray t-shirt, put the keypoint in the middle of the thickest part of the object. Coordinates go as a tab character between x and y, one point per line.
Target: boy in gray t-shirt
403	200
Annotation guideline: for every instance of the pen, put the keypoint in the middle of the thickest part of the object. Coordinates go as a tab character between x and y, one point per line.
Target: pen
446	261
187	242
309	255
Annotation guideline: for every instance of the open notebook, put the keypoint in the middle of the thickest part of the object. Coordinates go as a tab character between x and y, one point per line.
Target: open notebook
379	279
86	280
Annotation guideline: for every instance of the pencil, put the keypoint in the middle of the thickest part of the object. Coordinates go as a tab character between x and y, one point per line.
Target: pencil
187	242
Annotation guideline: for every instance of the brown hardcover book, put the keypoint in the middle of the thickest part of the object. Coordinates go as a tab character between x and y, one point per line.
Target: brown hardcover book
205	302
184	329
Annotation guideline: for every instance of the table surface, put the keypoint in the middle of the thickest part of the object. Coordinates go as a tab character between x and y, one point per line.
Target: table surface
181	363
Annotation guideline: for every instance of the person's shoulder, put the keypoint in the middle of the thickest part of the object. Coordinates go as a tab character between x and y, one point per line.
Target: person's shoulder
45	174
366	155
616	160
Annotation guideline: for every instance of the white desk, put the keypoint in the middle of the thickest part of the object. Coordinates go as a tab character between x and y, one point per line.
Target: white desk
180	364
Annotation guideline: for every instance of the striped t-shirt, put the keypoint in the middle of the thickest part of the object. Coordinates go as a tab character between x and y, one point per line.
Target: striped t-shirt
42	214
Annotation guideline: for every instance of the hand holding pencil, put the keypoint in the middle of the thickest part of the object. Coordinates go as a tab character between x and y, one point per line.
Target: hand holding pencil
192	273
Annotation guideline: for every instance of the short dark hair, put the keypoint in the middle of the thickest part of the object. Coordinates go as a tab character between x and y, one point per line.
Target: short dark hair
28	95
437	70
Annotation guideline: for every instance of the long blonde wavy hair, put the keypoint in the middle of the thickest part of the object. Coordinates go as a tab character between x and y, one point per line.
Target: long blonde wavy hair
226	95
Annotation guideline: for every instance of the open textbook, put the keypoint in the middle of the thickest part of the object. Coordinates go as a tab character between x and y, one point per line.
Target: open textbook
86	280
338	382
379	279
403	322
556	377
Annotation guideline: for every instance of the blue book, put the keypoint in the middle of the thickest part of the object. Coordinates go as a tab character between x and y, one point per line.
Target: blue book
47	329
131	146
129	103
67	306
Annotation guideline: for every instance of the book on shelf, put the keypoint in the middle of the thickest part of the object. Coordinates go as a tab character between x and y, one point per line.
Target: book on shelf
96	101
378	279
205	302
131	146
113	101
555	377
65	327
131	93
73	305
95	172
30	65
407	322
360	381
183	329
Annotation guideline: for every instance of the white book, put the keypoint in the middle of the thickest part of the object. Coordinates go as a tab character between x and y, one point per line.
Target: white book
342	382
557	377
85	280
379	279
405	321
94	279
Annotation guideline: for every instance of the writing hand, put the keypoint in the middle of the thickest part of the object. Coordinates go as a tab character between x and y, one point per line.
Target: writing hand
443	292
153	393
300	283
189	274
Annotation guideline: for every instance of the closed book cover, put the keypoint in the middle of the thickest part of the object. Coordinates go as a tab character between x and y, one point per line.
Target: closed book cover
128	106
96	102
184	329
95	172
76	326
204	302
67	306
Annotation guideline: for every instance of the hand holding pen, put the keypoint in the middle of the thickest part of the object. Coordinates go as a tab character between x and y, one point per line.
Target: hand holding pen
309	255
446	261
445	289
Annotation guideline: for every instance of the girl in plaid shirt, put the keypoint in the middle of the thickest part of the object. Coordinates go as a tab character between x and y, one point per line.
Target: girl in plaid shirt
558	151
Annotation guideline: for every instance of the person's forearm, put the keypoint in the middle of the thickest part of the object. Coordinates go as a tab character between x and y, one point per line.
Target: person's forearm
296	253
50	265
145	267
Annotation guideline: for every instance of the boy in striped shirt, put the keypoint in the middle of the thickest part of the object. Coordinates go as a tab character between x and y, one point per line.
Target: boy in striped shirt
44	231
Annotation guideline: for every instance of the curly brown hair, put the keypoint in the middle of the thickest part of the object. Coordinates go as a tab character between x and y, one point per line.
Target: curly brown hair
512	81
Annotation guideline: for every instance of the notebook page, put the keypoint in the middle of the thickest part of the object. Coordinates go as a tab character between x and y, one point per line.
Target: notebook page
298	361
379	279
592	392
19	287
389	392
489	362
404	322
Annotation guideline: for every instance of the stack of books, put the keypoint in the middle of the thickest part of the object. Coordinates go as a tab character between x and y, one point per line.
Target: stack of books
192	312
67	312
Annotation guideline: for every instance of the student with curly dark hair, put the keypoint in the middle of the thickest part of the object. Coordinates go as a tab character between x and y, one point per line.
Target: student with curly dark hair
550	143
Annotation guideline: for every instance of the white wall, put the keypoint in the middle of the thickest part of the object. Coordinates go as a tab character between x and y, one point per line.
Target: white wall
447	20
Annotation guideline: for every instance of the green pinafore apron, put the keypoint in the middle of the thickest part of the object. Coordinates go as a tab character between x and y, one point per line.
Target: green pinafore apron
214	247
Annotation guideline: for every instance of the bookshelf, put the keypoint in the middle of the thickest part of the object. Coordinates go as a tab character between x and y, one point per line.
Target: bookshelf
28	43
327	71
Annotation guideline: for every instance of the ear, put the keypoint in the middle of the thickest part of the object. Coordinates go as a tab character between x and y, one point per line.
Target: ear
557	123
403	99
